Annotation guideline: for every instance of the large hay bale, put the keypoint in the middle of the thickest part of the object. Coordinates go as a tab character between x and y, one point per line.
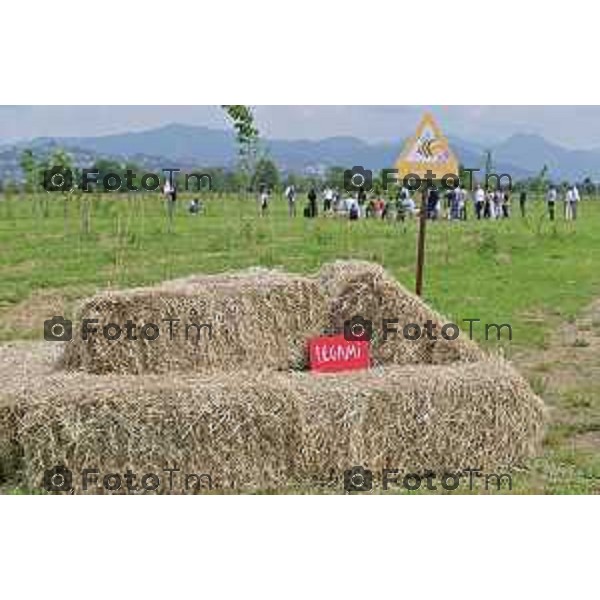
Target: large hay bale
358	288
233	409
253	319
259	319
264	430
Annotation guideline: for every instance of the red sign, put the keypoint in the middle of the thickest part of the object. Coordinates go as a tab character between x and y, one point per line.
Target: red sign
329	354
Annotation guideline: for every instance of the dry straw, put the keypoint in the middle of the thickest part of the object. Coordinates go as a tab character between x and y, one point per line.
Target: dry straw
253	319
256	424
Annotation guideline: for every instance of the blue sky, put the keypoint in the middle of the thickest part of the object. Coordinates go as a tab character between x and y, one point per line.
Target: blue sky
570	126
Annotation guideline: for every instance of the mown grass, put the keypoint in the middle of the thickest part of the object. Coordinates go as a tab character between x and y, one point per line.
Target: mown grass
529	273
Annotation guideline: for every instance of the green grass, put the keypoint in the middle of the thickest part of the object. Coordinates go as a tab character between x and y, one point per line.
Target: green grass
530	273
494	271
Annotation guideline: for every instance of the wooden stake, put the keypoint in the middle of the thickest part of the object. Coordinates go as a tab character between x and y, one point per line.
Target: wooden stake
421	244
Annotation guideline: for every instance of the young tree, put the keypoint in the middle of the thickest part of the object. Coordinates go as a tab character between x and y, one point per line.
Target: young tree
31	173
266	173
588	187
334	177
247	137
540	182
29	167
489	164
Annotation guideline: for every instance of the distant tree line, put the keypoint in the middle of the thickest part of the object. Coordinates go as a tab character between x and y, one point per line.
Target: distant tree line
264	172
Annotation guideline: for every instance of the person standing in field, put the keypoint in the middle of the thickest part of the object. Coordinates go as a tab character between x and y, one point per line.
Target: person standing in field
551	201
433	203
479	199
459	203
264	199
571	199
497	206
489	204
523	202
170	192
336	200
506	204
576	199
361	197
328	199
312	203
464	198
290	194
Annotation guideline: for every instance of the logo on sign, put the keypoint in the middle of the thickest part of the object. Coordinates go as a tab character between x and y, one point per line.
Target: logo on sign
427	148
329	354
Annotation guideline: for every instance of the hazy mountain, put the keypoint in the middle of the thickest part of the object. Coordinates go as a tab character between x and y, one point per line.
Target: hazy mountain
532	152
188	146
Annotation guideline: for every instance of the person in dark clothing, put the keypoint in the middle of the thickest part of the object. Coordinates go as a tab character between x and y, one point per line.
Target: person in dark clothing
522	202
488	205
312	203
551	197
506	204
362	197
433	198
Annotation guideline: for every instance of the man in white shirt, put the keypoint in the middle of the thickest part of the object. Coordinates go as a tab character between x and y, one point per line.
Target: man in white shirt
327	204
571	200
290	194
479	198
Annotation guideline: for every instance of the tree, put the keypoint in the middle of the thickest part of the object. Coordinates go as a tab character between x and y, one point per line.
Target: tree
29	167
247	138
489	164
334	177
588	186
540	182
265	173
104	167
466	178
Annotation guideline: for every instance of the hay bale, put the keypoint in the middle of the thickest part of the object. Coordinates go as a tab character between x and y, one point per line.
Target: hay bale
19	370
259	319
253	319
265	430
9	449
362	288
232	411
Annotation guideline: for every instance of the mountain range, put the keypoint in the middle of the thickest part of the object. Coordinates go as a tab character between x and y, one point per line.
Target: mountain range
187	146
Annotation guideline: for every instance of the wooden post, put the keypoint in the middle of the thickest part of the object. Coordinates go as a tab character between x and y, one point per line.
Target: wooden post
421	243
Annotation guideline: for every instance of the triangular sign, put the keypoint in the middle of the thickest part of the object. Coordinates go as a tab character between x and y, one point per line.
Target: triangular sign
427	150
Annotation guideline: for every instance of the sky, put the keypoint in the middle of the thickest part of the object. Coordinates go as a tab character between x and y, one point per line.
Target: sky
569	126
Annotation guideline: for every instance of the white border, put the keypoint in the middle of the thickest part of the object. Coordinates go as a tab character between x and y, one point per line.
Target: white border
266	52
299	547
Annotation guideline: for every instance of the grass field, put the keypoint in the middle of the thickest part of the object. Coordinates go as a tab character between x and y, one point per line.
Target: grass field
540	277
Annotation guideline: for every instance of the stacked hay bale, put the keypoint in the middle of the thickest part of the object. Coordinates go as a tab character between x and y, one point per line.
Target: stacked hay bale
242	416
365	289
253	319
263	430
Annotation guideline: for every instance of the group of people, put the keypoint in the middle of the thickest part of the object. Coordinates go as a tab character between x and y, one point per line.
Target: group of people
571	198
352	207
487	203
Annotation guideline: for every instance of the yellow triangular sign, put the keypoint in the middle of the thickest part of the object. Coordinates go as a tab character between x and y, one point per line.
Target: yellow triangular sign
427	150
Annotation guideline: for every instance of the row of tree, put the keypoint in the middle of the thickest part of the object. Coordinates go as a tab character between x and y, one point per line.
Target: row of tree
249	176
